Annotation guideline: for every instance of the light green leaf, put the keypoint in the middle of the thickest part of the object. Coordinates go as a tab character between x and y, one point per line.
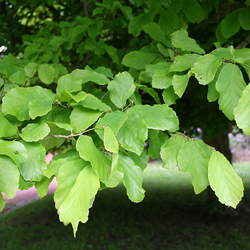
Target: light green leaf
110	141
133	133
60	117
169	96
42	187
230	84
181	40
155	140
242	111
170	150
82	118
35	132
183	62
32	169
89	152
29	102
159	116
161	79
77	186
121	88
114	120
15	150
180	83
73	82
19	77
138	59
205	68
7	129
46	73
223	179
58	161
132	179
30	69
193	158
87	100
9	177
2	202
212	93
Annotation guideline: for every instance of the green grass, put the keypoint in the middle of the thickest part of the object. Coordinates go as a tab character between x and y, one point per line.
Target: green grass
170	217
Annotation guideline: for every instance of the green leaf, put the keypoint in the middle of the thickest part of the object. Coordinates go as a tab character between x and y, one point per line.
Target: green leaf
35	132
181	40
155	32
138	59
193	11
134	132
2	202
77	186
183	62
82	118
60	117
169	96
87	100
212	93
230	24
170	150
30	69
9	177
136	24
110	141
42	187
51	142
242	111
73	82
114	120
230	85
169	21
89	152
161	79
244	19
32	169
15	150
180	83
155	140
159	116
193	158
205	68
58	161
223	179
132	179
1	84
29	102
121	88
7	129
46	73
151	92
19	77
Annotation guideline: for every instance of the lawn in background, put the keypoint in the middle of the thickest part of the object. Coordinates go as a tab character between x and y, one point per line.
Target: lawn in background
170	217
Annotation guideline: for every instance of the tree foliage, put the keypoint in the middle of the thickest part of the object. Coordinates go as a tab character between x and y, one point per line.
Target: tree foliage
108	84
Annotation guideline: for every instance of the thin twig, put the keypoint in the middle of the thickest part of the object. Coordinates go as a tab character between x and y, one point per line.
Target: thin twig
74	135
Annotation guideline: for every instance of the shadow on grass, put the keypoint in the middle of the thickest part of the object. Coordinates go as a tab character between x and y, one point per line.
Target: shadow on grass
170	217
